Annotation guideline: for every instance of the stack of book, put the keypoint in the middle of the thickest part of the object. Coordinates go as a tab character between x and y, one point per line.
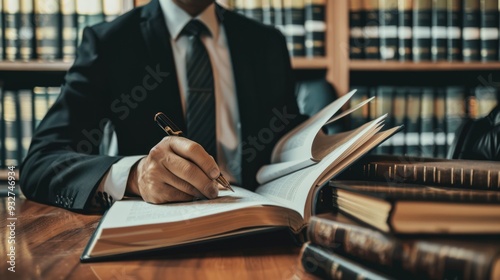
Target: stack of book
301	21
424	30
20	113
430	115
395	230
50	30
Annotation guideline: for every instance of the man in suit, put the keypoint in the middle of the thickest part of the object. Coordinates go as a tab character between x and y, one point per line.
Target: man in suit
128	70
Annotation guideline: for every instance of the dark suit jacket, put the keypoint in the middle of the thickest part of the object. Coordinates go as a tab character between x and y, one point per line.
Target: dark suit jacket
124	72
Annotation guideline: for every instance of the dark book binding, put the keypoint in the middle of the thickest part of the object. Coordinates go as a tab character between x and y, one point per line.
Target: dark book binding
405	24
371	29
415	258
471	31
47	29
11	10
356	25
427	123
26	31
422	21
455	111
294	27
315	27
468	174
253	9
279	15
454	30
388	29
412	136
440	123
267	12
69	29
329	265
439	30
489	30
399	114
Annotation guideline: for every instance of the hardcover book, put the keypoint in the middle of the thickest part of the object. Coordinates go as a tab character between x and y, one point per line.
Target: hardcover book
467	174
432	257
418	209
303	161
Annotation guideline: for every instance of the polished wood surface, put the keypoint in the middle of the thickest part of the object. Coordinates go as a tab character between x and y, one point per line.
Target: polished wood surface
49	242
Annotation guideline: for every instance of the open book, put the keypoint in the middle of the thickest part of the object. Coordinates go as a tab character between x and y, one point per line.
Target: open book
303	161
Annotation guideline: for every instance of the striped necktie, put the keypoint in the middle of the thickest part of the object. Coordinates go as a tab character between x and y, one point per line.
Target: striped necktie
200	117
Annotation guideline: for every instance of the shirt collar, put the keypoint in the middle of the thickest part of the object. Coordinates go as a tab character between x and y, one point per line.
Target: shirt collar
176	18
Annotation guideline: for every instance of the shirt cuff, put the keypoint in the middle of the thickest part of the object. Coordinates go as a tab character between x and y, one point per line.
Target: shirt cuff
115	182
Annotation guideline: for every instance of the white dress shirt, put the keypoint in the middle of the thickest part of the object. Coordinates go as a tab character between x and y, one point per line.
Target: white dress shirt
228	126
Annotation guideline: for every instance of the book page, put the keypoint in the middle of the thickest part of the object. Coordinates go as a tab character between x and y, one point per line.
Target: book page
292	190
297	143
272	171
125	213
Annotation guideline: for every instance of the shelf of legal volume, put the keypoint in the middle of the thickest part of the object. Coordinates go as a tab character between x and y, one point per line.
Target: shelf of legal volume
309	63
378	65
58	66
297	63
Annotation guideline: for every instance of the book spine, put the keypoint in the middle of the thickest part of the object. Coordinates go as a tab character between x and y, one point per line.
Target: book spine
357	242
371	29
356	33
412	138
422	21
471	31
419	259
239	6
267	12
328	265
430	260
12	131
455	111
40	105
26	104
89	12
489	30
294	26
388	29
2	127
399	113
453	31
439	30
405	29
26	30
253	9
279	15
440	123
2	36
315	27
11	28
384	106
427	123
47	29
69	29
112	9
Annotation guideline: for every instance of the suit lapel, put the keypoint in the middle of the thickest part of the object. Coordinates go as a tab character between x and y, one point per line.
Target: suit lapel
156	37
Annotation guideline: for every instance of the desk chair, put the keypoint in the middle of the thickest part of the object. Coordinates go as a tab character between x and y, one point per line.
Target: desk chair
478	139
314	95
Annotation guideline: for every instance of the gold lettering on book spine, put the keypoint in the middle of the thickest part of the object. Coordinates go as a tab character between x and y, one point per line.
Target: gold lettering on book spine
489	179
452	175
471	177
434	174
461	176
425	173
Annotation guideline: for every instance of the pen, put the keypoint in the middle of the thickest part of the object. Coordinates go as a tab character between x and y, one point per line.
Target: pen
171	129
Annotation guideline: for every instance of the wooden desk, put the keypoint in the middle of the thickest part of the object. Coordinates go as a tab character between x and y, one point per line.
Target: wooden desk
49	242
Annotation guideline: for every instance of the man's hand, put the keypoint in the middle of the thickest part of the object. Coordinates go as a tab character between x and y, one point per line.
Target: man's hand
176	169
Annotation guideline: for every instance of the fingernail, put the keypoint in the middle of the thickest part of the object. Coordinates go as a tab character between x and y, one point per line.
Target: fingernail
212	190
214	173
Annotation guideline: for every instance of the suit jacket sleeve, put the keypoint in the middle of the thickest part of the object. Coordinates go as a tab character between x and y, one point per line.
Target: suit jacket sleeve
63	167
